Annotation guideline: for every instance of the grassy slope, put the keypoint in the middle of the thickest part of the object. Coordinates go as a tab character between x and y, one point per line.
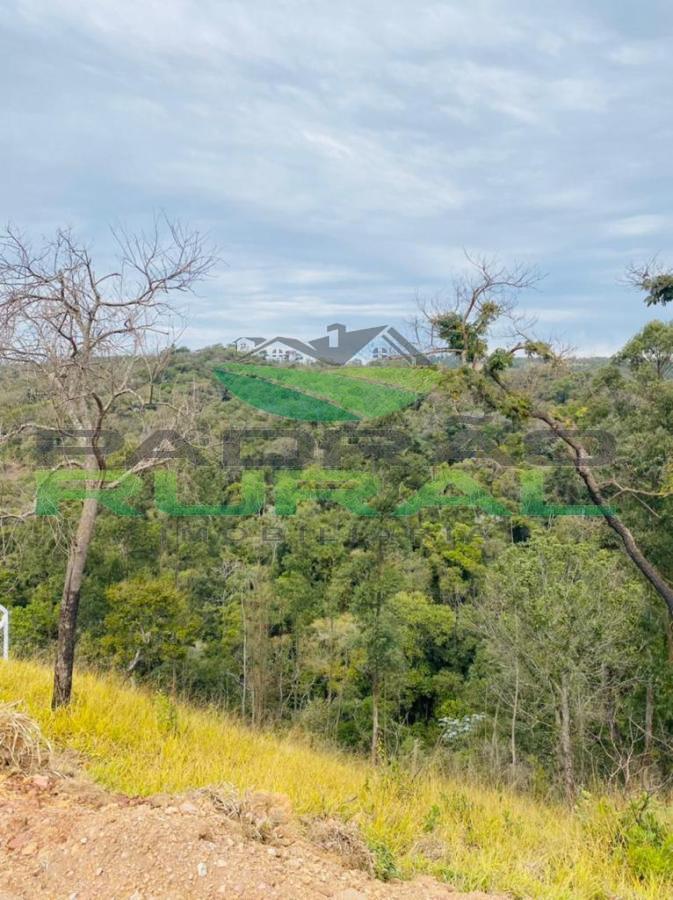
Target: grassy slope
142	743
279	400
413	378
373	396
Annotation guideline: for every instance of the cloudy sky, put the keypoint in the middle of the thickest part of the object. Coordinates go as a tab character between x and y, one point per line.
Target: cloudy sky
341	155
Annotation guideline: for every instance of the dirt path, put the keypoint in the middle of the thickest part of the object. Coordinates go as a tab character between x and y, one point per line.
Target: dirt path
67	838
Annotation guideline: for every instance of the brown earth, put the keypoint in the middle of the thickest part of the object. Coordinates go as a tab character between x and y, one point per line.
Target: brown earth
67	838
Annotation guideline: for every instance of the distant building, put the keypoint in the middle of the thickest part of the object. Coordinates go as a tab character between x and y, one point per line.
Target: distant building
245	344
338	347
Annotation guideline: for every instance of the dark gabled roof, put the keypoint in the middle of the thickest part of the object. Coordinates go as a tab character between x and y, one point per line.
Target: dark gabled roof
350	343
295	343
402	346
255	340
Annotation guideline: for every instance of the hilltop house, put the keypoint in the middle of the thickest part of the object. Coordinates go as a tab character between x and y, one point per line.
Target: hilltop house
338	347
244	344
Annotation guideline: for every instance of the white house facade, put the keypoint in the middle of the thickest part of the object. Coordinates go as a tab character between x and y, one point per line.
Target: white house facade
246	344
338	347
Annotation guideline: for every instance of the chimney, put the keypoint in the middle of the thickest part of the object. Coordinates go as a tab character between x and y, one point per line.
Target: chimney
334	333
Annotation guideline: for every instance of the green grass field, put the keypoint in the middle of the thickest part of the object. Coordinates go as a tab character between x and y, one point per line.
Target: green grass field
413	378
326	395
279	400
362	399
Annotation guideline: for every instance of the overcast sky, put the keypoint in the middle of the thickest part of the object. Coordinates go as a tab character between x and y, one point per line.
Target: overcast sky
342	153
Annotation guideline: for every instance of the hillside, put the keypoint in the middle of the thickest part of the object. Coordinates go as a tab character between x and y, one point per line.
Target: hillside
142	745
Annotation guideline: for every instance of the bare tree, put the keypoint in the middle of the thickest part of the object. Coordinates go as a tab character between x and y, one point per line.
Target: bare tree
84	335
460	322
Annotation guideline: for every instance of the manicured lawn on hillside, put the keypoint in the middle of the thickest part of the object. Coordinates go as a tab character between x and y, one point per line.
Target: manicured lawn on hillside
363	398
281	401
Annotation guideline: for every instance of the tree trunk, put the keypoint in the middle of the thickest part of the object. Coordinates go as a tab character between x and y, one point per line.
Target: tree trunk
244	691
565	740
581	461
375	722
67	624
495	754
649	731
649	716
515	710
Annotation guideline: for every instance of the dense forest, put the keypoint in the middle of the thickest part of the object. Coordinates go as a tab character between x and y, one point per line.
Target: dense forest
477	610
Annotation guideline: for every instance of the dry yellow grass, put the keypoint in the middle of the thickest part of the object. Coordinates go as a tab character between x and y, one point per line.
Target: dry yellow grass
141	743
22	747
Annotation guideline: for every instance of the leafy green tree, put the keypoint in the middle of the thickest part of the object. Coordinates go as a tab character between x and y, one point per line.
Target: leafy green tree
493	379
562	620
650	349
148	625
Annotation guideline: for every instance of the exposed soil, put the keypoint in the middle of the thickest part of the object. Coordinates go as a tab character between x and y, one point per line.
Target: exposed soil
67	838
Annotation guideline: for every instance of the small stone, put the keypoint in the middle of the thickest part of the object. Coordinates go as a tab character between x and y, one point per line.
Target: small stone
41	782
189	808
202	869
18	841
99	871
221	863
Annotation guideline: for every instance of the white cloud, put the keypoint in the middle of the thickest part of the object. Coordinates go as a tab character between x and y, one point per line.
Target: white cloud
640	226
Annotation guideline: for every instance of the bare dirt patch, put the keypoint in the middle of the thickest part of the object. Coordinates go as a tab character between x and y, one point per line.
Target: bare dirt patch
64	837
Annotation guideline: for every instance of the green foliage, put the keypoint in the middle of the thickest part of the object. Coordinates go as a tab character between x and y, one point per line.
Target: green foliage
313	619
652	347
148	623
432	819
168	716
385	865
499	361
34	626
645	841
468	336
659	289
